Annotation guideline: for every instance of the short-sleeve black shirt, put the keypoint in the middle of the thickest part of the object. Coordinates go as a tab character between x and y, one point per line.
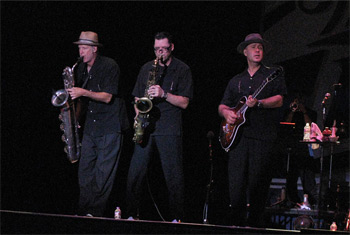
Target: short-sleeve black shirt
175	79
260	123
102	118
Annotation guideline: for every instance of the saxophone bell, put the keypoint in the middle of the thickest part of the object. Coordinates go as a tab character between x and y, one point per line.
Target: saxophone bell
59	98
294	106
144	105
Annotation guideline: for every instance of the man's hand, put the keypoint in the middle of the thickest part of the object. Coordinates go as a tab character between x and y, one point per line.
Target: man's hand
76	92
230	116
251	102
301	108
155	91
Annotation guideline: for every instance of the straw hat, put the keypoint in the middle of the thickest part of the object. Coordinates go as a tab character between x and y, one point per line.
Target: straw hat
88	38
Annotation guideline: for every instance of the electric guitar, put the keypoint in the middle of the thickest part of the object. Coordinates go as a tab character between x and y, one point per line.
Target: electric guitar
229	132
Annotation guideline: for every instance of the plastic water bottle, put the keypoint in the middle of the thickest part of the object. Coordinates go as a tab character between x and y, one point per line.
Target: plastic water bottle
306	204
307	132
334	227
117	213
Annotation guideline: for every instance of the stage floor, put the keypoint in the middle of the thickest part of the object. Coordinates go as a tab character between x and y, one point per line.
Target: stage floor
19	222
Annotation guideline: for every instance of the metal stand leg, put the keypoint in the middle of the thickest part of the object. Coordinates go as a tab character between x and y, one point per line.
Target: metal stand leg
330	166
206	204
320	190
283	199
288	159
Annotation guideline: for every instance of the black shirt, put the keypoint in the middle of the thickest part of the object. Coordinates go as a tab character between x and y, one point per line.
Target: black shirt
102	118
175	79
260	123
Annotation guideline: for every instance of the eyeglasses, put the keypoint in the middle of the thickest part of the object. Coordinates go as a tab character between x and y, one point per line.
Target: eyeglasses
162	48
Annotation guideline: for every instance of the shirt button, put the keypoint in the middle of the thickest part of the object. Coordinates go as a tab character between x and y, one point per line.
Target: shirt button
94	120
90	111
251	78
250	87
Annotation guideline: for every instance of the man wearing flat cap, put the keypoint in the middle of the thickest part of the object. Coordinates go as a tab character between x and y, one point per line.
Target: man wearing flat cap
249	163
97	80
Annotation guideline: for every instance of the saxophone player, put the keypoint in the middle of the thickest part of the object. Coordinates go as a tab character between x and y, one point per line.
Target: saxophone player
98	78
170	95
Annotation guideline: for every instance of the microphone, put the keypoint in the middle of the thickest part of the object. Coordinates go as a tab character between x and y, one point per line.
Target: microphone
326	97
336	87
210	136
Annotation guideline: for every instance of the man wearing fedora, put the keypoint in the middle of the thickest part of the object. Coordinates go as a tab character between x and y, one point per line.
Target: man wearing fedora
97	82
249	159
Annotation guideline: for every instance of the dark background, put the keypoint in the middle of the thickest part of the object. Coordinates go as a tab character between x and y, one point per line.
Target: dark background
36	45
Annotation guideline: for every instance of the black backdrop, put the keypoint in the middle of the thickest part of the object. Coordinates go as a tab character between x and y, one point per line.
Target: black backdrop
36	44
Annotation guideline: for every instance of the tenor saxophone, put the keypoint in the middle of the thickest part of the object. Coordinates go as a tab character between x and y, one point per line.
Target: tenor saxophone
144	105
69	124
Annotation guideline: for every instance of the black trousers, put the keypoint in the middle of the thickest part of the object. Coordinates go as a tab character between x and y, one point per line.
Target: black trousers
97	168
170	153
303	166
249	174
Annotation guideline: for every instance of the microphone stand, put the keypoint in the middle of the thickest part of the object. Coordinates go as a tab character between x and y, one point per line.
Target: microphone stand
323	115
206	204
324	101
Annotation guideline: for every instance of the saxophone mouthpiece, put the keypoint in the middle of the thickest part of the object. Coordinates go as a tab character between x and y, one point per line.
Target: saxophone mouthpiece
78	61
161	59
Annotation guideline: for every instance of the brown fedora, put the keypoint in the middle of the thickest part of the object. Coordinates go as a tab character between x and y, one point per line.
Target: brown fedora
88	38
253	38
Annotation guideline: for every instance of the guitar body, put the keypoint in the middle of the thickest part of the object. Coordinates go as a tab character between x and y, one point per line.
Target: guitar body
229	132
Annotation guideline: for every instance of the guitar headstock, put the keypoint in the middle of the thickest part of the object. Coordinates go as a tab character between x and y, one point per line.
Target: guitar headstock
275	74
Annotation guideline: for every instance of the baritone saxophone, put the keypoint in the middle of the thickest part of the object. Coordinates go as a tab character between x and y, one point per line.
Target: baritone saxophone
67	116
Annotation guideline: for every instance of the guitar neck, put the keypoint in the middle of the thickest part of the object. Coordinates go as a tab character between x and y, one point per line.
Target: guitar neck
271	77
260	88
254	95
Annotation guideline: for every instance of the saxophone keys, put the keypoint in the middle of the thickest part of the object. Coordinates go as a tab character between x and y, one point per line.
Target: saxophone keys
63	138
65	149
62	127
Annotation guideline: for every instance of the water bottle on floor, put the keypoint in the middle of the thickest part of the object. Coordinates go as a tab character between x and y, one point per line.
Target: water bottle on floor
117	213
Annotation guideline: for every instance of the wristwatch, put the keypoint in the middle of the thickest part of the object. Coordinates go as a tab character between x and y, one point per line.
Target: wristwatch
260	105
165	95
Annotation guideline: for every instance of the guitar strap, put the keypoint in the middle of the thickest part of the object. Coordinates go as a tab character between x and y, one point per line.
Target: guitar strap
85	82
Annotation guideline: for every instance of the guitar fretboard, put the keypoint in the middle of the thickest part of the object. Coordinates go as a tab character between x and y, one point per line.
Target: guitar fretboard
271	77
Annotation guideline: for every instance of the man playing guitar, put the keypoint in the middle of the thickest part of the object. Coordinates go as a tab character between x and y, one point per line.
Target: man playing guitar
249	162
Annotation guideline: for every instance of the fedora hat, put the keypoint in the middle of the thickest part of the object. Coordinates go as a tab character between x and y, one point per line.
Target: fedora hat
88	38
253	38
